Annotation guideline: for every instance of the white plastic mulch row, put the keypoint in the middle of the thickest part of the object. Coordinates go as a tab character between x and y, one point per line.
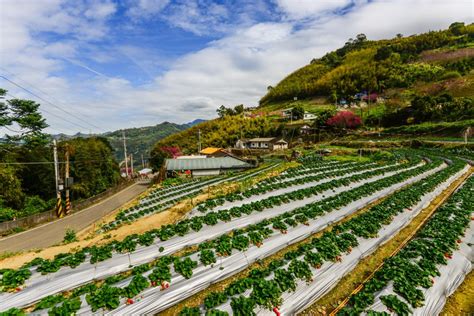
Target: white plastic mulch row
331	272
198	187
153	300
452	275
303	167
254	198
39	286
258	197
189	185
318	170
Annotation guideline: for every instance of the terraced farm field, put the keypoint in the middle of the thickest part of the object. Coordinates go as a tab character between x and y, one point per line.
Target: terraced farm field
274	246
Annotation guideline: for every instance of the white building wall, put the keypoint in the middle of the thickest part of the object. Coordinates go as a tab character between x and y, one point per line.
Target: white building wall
205	173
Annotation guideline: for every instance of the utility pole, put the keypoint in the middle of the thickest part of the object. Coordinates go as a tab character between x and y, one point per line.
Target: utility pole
125	152
199	140
131	163
143	163
66	182
59	206
466	134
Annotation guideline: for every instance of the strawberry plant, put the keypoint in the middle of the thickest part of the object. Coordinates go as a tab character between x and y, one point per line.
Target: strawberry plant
13	312
394	304
161	272
215	299
285	280
313	259
13	278
185	267
266	293
207	257
255	238
104	297
238	286
242	306
190	311
224	245
216	312
138	284
49	301
300	269
240	242
69	307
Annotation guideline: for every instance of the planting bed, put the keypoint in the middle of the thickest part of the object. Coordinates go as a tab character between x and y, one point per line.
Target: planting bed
148	273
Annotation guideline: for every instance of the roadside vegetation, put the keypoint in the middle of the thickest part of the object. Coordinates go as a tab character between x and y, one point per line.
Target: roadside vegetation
26	169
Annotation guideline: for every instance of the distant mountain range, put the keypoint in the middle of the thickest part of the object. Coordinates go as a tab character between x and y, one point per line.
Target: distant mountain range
195	122
140	140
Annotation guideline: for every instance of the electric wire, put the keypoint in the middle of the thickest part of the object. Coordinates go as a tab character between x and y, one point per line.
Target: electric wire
45	93
56	106
51	113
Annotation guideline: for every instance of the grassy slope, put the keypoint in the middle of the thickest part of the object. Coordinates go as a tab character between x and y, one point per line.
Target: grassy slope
356	67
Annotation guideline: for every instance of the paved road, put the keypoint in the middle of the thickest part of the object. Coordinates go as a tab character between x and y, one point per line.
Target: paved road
53	232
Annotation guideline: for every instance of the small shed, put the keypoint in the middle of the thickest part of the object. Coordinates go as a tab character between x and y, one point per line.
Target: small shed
279	144
205	167
305	130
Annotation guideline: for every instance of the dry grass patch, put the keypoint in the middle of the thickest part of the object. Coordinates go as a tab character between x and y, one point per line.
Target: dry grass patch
462	301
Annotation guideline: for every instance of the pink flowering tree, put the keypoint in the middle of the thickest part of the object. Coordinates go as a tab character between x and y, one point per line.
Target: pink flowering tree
345	119
172	151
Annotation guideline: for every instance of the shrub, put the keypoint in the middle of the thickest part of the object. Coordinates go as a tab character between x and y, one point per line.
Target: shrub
345	119
7	214
450	75
70	236
34	204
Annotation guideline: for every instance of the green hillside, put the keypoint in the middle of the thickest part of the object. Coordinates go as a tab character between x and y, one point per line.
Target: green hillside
423	79
433	62
222	132
141	139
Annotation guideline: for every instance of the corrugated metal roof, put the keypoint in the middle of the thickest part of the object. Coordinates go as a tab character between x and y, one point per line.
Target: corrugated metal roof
281	141
262	139
205	164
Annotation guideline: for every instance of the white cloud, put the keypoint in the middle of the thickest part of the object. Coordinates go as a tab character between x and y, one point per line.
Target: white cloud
234	69
100	10
145	8
299	9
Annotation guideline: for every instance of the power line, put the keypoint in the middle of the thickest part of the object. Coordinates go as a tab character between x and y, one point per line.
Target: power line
50	162
51	113
45	93
56	106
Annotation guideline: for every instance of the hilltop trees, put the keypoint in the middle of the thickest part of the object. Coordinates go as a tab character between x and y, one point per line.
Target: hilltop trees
375	66
223	111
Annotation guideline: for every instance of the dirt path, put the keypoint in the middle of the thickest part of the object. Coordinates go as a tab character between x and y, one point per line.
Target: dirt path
52	233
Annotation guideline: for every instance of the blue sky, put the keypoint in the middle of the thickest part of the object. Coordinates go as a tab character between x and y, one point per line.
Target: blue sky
126	63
